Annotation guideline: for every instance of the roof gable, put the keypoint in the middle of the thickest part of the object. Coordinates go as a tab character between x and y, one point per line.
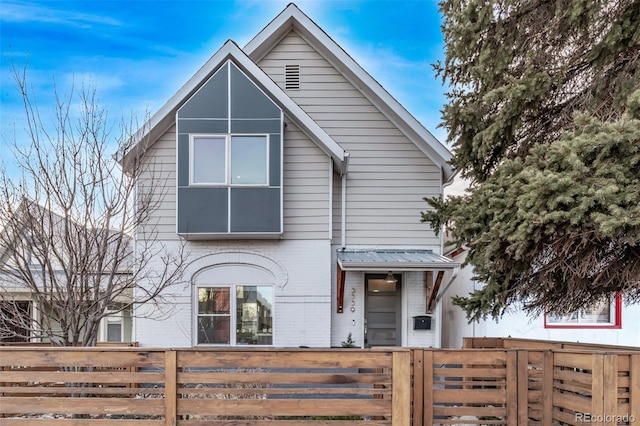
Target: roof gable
292	18
160	122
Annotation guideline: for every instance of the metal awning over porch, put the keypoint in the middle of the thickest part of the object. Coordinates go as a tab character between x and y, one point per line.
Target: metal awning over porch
392	260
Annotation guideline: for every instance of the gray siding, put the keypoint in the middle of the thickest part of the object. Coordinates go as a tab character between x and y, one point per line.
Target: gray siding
161	160
388	174
306	187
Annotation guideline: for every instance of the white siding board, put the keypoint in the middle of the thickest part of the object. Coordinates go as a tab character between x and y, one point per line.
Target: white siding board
382	158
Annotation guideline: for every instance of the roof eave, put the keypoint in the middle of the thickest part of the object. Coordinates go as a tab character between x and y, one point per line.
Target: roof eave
293	18
165	116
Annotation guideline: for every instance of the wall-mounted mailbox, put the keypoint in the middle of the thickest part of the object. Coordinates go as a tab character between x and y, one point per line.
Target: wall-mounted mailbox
422	322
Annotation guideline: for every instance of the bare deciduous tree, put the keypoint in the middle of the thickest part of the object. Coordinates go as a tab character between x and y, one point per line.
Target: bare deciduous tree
67	223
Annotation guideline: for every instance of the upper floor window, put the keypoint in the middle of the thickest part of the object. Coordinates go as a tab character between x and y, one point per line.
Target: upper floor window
229	160
605	315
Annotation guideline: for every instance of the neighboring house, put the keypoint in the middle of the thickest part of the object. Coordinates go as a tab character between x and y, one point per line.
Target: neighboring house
296	184
612	323
24	260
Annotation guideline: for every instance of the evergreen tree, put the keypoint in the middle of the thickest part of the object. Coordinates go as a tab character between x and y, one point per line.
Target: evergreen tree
544	116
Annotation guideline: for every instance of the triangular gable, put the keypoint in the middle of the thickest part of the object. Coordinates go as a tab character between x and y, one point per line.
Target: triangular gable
162	120
292	18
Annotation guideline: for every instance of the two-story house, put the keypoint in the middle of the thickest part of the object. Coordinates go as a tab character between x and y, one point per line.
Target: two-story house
296	183
46	273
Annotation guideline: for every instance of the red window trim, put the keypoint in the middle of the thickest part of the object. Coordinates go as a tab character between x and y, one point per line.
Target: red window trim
616	325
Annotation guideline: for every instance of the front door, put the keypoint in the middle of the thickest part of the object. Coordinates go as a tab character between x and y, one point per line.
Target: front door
383	311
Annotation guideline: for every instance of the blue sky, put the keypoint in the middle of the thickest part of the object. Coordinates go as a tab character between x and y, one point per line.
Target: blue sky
138	53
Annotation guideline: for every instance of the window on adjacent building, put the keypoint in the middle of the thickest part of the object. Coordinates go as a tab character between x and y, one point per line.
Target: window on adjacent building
15	321
229	159
606	315
245	319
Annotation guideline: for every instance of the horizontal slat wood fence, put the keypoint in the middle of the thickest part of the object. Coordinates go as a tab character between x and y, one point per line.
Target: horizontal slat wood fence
205	387
391	386
515	343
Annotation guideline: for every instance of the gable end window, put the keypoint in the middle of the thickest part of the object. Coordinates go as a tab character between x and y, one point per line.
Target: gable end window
605	315
229	160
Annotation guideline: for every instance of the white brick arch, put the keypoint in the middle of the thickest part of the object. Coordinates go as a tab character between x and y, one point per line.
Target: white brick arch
239	260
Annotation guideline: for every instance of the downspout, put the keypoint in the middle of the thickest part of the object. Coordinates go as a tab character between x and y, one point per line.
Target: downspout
343	213
330	199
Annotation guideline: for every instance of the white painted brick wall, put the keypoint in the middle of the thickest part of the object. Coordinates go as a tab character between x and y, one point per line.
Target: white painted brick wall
302	311
416	298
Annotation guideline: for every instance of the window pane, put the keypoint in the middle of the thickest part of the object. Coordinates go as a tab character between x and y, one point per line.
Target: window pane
599	314
254	315
214	330
114	332
213	300
209	160
249	160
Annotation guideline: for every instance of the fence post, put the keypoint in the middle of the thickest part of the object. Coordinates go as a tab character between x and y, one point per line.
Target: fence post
523	387
427	359
418	386
401	388
634	387
597	386
170	387
610	382
511	390
547	387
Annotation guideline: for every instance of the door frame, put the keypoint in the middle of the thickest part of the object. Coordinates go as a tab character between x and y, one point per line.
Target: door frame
399	305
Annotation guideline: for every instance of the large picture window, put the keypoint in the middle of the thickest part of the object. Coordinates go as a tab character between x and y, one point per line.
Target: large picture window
229	160
244	319
606	315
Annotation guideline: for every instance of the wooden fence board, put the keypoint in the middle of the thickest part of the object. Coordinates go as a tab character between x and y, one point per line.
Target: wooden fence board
280	377
171	388
610	388
401	396
576	403
475	396
56	357
80	422
276	422
634	388
74	405
547	388
461	356
284	407
418	397
583	361
343	358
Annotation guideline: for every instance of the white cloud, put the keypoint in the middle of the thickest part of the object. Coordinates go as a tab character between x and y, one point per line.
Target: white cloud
25	12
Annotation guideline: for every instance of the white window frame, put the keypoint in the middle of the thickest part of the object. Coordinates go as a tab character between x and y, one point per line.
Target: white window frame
614	318
227	163
232	314
104	325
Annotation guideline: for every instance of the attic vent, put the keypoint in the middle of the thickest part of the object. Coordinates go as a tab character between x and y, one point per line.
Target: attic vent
292	77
